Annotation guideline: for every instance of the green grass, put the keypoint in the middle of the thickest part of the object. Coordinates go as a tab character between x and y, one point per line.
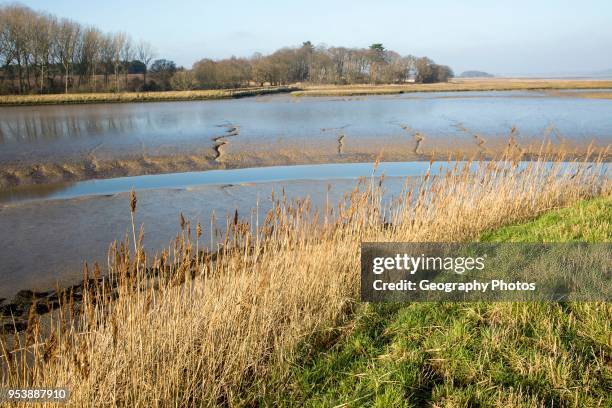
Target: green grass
467	354
589	221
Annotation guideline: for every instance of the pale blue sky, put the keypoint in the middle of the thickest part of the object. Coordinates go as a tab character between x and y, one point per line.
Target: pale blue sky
503	37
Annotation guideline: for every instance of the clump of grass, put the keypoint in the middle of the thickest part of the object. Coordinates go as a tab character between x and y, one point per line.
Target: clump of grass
587	220
212	327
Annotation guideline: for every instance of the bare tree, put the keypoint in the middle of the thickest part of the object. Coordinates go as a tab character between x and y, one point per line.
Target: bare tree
66	43
37	46
183	80
6	54
16	38
127	54
43	31
117	47
90	55
145	53
107	54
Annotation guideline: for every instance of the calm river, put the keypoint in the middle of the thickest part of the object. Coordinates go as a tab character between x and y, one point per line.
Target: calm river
48	230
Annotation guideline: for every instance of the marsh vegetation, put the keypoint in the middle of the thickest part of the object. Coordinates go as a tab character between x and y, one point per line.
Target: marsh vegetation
229	324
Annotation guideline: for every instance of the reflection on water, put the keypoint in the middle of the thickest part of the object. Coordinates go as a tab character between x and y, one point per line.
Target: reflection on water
32	192
211	177
50	123
32	128
227	178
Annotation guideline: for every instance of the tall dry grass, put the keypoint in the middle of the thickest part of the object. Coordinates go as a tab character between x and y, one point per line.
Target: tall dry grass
455	85
125	97
207	327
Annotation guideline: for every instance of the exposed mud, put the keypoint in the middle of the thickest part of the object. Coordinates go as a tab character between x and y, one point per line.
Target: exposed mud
53	144
478	139
220	141
340	143
243	155
418	139
92	168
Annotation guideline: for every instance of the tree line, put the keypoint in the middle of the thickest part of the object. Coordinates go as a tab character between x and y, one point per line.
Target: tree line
319	65
41	53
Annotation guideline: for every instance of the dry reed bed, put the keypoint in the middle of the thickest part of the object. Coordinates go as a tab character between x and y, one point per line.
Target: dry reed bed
457	85
209	329
496	84
123	97
595	95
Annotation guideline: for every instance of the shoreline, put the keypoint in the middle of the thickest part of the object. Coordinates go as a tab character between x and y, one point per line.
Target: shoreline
299	90
139	97
14	311
53	173
456	85
265	294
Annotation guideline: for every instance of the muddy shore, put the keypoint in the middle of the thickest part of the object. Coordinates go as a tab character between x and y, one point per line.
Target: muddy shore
231	155
51	144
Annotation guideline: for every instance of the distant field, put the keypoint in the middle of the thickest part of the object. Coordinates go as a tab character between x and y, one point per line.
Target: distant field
482	84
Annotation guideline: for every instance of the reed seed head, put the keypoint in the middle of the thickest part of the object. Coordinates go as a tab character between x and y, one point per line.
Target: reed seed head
133	201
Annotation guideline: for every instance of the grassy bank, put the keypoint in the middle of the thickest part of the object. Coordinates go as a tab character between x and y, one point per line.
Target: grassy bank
495	84
228	327
456	85
453	354
125	97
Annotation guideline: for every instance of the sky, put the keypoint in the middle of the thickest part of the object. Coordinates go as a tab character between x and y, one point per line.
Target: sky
536	37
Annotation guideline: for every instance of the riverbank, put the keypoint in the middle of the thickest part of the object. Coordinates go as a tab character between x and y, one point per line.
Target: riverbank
465	354
47	176
237	321
127	97
455	85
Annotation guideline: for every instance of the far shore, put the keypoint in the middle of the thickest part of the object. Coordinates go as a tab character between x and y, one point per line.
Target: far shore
127	97
298	90
457	85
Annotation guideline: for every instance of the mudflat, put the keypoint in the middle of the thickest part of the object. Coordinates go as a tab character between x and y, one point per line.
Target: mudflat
49	144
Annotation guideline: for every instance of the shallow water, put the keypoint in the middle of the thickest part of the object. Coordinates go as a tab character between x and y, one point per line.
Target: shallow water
286	125
47	235
225	178
47	231
45	242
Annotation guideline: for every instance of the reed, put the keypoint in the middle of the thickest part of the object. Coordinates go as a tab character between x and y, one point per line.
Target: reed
456	85
205	325
125	97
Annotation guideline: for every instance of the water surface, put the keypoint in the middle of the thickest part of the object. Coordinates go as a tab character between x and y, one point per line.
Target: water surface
287	126
45	238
